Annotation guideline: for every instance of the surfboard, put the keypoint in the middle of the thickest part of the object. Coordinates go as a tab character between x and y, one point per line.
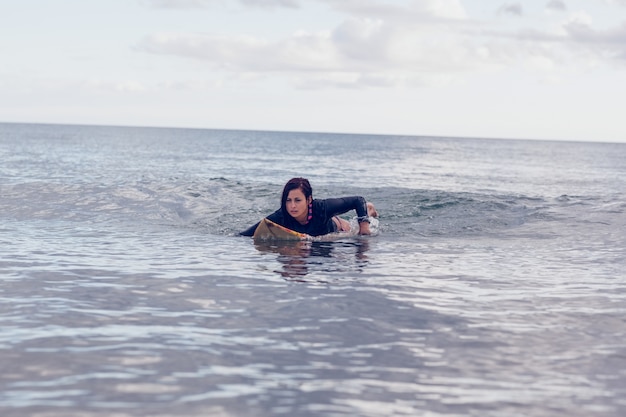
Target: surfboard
268	230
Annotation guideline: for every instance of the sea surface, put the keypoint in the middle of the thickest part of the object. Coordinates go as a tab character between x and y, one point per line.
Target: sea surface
495	284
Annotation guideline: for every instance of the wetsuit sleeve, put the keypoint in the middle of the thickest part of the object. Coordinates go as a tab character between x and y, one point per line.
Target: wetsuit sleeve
335	206
250	230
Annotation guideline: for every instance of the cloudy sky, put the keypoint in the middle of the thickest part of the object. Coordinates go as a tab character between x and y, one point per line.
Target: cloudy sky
537	69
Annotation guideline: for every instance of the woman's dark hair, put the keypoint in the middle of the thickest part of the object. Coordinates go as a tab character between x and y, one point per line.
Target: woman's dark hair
293	184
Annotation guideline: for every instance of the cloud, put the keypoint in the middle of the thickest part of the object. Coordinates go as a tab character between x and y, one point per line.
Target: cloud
610	43
513	9
556	5
201	4
363	40
583	42
128	86
179	4
576	45
443	9
414	11
358	51
271	3
384	45
300	52
376	39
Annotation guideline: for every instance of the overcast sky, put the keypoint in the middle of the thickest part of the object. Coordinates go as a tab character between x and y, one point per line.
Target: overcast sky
537	69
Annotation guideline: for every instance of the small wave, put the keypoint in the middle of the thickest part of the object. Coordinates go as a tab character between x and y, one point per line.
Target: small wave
440	213
224	207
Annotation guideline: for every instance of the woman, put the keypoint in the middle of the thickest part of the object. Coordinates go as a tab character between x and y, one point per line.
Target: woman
300	212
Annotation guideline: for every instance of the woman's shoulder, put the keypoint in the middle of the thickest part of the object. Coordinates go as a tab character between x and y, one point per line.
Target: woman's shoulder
320	204
343	201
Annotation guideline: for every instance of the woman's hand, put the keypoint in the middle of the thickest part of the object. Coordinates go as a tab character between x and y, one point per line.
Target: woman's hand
364	228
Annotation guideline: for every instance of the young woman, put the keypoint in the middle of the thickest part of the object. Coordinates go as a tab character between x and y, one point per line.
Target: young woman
300	212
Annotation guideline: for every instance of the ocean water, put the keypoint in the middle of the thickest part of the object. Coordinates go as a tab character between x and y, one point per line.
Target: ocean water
495	284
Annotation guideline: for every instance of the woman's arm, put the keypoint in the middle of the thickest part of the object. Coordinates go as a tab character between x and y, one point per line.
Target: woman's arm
335	206
250	230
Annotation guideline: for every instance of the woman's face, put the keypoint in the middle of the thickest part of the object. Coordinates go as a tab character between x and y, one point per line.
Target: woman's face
297	205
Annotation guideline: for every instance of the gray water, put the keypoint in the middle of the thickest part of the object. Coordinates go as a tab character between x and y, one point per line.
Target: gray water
494	285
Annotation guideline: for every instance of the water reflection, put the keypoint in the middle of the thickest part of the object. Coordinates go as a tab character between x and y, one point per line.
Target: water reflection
302	258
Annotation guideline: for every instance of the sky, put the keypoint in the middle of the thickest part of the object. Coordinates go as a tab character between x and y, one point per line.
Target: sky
532	69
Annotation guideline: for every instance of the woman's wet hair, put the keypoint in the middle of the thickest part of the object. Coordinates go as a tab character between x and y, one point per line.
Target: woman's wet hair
293	184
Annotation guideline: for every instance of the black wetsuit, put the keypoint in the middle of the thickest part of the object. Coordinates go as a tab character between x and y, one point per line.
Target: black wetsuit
323	212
